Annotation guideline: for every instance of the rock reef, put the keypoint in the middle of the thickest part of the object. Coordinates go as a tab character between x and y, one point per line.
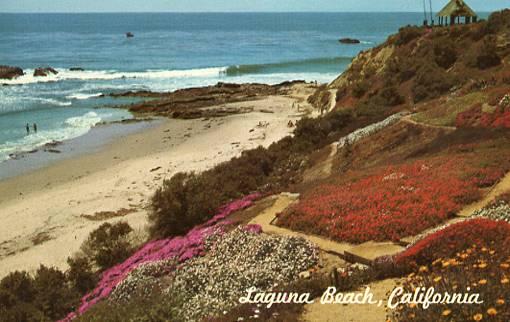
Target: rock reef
44	71
349	41
191	103
8	72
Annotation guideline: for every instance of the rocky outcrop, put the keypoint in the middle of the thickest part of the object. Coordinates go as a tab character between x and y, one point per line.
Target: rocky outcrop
8	72
76	69
44	71
349	41
189	103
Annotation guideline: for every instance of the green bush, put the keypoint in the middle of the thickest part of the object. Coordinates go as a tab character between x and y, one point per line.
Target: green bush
400	70
53	296
157	308
109	244
488	56
19	285
387	96
407	34
445	55
431	82
359	89
498	21
80	274
48	296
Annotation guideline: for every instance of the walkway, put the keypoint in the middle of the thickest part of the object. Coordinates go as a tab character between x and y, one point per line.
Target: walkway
364	253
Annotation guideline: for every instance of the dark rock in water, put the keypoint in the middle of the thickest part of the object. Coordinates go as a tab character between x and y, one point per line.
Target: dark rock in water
129	34
8	72
291	83
76	69
349	41
227	85
44	71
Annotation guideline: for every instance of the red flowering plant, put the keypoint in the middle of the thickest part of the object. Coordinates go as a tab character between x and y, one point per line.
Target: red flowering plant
393	203
476	273
472	257
447	242
477	117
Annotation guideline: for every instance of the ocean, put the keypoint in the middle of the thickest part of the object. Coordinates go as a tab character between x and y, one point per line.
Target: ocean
168	51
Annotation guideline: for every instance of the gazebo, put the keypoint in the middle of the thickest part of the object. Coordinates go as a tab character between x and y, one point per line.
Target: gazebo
454	10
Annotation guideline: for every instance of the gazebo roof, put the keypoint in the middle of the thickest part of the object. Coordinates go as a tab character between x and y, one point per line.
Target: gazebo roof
457	8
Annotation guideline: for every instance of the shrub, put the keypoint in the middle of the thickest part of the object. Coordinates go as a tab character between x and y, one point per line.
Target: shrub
109	244
388	96
488	56
80	274
19	285
498	21
155	308
445	55
53	296
359	89
189	199
407	34
45	297
431	82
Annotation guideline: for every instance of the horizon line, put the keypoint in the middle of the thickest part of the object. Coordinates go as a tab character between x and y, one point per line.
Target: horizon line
210	12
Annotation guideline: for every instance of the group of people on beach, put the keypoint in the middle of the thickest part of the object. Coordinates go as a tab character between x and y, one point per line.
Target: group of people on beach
34	126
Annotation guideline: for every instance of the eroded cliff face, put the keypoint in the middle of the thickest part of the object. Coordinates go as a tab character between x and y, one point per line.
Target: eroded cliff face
364	65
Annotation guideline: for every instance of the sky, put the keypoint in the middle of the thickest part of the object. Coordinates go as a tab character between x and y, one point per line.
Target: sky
233	5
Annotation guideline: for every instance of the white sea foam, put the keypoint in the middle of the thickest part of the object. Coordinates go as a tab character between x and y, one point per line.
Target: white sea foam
83	96
71	128
64	74
50	101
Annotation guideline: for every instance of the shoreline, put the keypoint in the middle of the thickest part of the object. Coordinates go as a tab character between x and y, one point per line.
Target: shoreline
94	140
120	177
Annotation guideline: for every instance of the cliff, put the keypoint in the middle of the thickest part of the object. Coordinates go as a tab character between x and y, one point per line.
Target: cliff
422	64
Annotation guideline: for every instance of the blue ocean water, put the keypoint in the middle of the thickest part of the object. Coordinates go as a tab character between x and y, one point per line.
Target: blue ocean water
168	51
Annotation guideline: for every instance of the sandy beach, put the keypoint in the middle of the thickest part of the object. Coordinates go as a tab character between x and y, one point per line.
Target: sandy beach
47	214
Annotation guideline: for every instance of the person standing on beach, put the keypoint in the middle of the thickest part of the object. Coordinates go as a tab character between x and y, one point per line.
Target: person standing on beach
28	129
35	128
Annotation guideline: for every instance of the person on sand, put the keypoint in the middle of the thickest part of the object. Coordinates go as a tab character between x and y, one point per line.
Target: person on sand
28	129
35	128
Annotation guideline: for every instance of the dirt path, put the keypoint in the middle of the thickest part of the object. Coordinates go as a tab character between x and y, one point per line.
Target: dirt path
409	119
332	99
283	201
363	253
318	312
500	188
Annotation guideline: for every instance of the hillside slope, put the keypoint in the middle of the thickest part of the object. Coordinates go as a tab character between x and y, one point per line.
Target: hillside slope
419	64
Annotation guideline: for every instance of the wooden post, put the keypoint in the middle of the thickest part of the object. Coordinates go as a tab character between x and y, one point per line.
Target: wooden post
335	277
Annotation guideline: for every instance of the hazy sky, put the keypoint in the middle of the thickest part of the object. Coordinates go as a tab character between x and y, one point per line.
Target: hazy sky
233	5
